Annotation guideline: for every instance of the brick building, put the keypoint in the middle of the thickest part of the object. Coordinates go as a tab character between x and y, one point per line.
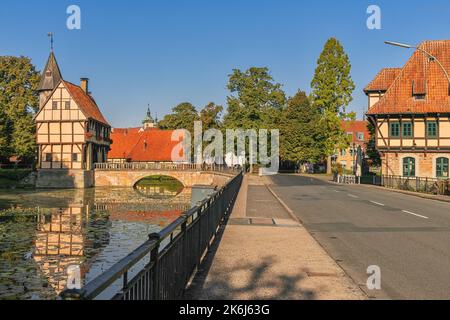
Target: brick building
359	136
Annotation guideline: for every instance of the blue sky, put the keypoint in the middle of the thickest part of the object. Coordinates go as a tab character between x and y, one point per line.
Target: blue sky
165	52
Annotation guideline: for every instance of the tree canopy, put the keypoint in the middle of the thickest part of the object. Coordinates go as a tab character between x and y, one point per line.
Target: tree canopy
255	99
19	101
371	149
183	116
210	116
332	88
301	138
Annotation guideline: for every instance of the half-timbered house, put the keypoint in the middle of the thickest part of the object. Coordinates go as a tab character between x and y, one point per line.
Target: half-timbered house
72	134
411	114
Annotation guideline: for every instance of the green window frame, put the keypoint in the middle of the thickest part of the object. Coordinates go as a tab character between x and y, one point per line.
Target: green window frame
442	167
394	129
432	129
409	167
407	129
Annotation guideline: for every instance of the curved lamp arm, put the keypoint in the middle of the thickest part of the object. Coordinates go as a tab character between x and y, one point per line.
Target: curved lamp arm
407	46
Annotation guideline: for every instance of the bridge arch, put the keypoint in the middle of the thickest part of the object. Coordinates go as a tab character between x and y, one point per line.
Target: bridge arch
157	186
138	178
129	178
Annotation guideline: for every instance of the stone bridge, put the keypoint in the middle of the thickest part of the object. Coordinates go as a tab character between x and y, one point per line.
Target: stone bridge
128	174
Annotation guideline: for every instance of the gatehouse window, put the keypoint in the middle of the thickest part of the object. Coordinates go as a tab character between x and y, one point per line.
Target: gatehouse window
432	129
407	129
442	167
395	129
409	167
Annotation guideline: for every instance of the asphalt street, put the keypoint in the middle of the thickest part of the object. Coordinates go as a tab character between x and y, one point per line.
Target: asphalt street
408	237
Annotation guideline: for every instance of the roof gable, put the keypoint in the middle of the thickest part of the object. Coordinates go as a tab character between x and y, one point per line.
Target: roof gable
85	102
420	75
383	80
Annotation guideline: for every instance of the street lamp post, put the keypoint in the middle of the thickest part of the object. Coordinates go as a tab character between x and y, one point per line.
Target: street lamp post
407	46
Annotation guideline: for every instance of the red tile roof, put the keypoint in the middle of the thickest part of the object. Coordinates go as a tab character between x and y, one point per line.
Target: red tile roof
85	102
355	127
383	79
419	75
123	141
138	145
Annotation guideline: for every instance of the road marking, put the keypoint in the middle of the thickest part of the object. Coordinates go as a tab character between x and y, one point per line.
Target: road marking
377	203
352	195
415	214
336	191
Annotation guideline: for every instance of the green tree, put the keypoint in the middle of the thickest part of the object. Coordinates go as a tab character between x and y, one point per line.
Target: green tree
332	88
18	103
371	149
210	116
183	116
301	139
255	101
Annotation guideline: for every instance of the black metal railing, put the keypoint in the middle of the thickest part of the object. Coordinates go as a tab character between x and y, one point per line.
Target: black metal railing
417	184
167	261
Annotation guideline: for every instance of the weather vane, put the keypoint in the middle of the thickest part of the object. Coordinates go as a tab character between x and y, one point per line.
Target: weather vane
50	34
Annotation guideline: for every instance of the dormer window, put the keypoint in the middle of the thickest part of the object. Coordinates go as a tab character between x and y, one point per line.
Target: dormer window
419	89
360	136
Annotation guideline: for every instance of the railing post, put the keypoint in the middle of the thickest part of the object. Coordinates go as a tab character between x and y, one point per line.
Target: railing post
154	257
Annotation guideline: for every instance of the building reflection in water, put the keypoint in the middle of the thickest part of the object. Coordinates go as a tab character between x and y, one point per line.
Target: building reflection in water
60	244
156	191
93	229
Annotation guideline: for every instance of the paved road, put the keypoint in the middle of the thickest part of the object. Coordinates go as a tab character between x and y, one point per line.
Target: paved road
406	236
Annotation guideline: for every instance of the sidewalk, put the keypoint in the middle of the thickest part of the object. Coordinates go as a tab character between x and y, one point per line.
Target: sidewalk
263	253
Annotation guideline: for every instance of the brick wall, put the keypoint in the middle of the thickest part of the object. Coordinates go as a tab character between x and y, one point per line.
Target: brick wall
392	163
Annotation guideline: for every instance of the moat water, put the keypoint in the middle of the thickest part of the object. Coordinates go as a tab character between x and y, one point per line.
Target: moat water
43	232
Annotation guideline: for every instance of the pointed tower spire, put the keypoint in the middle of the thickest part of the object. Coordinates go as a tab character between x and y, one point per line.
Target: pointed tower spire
51	75
50	78
148	121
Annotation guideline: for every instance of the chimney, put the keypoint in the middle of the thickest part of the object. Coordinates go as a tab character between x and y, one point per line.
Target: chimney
84	84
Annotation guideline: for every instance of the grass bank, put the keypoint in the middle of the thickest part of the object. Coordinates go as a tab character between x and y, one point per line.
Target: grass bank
11	178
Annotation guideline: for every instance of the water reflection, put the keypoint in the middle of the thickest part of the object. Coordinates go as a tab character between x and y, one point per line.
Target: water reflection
59	244
159	187
49	231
